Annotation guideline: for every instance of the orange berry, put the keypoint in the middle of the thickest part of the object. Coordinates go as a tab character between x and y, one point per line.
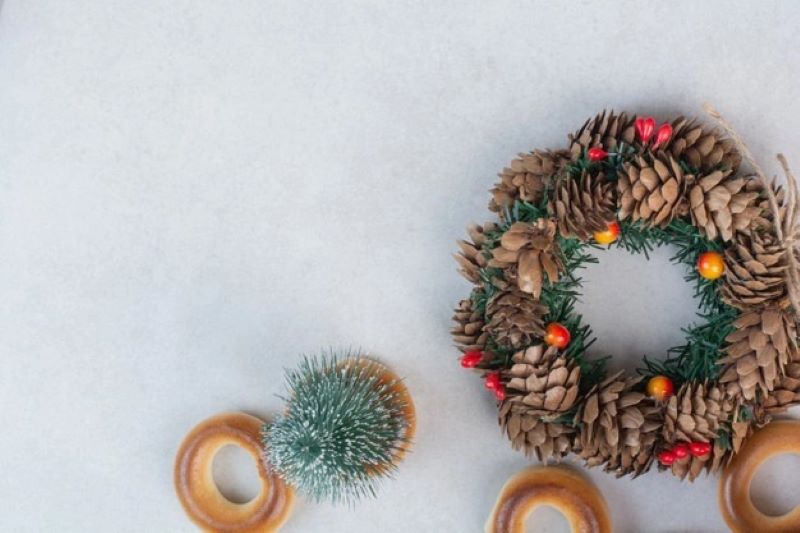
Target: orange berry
557	335
660	388
609	235
710	265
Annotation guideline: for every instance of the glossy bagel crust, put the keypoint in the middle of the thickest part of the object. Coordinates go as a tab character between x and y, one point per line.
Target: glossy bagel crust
737	508
569	492
205	505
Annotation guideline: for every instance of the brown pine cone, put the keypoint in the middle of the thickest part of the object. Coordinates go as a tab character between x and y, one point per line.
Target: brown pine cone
618	427
607	130
515	319
720	205
526	178
653	189
787	390
763	342
702	413
719	456
472	259
548	441
542	382
531	248
583	205
703	148
755	274
763	221
468	331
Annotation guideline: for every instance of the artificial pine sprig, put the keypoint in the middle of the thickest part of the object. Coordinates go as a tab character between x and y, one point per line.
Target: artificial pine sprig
342	430
697	358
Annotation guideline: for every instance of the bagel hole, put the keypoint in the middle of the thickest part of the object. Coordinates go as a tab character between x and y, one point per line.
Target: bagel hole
236	474
774	487
547	519
636	306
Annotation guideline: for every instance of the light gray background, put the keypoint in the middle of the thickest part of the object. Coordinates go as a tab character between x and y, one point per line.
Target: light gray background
194	193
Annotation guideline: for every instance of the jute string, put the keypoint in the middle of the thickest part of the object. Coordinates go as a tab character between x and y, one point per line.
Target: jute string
784	218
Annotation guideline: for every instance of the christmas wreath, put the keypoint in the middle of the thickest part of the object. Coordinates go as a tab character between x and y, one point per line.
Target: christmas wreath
625	181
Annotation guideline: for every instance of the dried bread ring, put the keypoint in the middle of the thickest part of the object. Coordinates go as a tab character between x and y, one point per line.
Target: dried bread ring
737	508
577	498
201	499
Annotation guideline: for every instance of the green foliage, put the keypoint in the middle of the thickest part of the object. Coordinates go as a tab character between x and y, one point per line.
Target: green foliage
697	358
561	297
340	423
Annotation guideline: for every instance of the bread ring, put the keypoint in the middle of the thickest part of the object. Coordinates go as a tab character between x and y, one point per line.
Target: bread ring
782	436
566	490
199	495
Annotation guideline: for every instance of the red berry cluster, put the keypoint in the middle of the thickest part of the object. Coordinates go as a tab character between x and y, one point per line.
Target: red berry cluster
682	450
646	126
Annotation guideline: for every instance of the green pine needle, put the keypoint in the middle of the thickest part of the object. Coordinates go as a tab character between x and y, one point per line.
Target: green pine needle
341	426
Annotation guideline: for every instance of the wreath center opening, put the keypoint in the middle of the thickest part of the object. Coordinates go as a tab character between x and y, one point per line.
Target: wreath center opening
628	322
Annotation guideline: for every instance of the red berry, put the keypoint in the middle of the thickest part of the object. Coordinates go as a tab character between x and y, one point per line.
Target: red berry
471	359
500	392
557	335
492	381
597	154
699	449
680	450
645	126
666	458
662	135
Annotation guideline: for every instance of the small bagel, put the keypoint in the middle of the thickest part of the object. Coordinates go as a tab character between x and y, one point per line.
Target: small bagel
560	487
737	508
198	493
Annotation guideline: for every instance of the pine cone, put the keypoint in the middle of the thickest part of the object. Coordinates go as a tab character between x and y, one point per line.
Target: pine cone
542	382
762	344
755	274
583	205
515	319
702	148
526	178
531	248
787	390
606	130
701	413
652	189
720	456
697	413
720	204
547	440
618	427
471	259
468	332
